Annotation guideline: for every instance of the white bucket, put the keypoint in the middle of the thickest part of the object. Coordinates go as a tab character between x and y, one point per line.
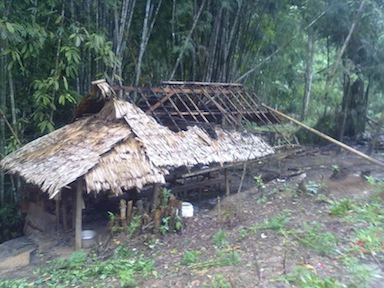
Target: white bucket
186	209
88	239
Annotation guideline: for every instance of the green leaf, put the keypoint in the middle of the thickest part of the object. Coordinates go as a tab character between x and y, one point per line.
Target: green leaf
69	98
10	27
58	20
56	85
65	83
62	99
77	41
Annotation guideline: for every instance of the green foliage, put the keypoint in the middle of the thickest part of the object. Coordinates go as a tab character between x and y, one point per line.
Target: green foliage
166	193
81	269
275	223
367	240
45	52
367	213
190	257
164	227
341	207
178	222
259	181
114	222
18	283
134	225
223	258
335	169
360	275
304	277
218	281
220	238
11	223
312	187
324	243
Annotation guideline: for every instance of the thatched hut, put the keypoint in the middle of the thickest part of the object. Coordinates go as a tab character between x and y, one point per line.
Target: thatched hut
121	147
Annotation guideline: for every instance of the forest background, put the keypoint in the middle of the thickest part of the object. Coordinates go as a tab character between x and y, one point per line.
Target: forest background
319	60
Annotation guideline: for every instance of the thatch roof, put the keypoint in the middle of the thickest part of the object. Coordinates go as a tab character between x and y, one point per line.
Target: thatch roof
121	147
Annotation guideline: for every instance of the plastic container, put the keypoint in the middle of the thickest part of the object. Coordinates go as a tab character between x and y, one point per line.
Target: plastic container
186	209
88	239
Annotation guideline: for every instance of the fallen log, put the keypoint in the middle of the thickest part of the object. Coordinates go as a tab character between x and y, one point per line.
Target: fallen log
342	145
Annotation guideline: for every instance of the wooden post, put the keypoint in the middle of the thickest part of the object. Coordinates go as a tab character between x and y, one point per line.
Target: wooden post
242	177
227	191
64	211
156	196
129	211
57	210
79	210
123	213
156	220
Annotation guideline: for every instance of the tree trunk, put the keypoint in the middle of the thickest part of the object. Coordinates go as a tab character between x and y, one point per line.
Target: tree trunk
142	44
308	76
195	20
3	93
331	76
345	106
356	112
12	101
122	28
229	44
213	47
146	33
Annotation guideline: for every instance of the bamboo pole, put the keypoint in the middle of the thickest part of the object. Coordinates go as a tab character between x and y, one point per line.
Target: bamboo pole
227	190
123	213
242	177
342	145
156	195
79	209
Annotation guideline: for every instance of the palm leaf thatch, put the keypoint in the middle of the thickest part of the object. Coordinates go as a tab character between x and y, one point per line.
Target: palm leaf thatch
121	147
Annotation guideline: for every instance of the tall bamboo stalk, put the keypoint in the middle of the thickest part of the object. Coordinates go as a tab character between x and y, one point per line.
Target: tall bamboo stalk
308	75
195	20
148	23
3	92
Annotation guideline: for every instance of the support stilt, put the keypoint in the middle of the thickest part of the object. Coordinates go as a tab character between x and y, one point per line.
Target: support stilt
79	210
227	191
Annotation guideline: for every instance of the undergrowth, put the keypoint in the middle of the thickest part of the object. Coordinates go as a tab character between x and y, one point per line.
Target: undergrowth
82	270
359	252
304	277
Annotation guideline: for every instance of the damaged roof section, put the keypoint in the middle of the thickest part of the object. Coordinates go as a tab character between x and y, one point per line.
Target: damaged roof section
122	147
178	105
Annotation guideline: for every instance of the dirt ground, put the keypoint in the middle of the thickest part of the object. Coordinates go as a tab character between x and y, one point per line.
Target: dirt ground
263	255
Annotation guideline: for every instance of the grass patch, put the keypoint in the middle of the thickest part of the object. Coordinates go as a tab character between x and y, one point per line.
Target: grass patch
227	257
218	281
312	237
341	207
367	240
275	223
82	270
220	238
372	213
303	277
360	275
190	257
